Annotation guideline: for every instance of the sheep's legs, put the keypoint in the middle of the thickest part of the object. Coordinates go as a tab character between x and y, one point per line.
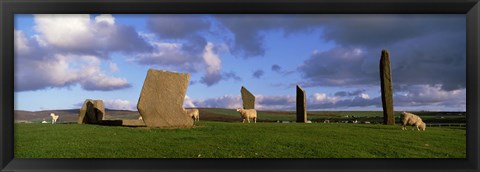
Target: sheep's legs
243	120
248	119
255	119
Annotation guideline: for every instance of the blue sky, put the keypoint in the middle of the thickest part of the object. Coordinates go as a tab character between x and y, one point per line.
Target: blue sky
61	60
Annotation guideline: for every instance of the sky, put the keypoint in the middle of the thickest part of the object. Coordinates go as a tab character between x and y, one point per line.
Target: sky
61	60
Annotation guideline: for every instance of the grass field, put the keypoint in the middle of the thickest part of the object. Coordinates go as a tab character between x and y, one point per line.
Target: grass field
211	139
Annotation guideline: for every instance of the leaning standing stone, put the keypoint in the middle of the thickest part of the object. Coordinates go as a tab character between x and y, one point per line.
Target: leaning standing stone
386	86
248	99
161	100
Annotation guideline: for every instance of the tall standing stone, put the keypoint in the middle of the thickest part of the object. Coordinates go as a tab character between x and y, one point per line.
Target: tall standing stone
386	86
247	98
161	100
301	105
92	112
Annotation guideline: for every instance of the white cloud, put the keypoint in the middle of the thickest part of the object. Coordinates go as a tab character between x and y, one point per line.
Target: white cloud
78	33
21	43
119	104
226	101
364	96
66	30
63	70
107	18
211	59
422	95
322	98
188	102
69	50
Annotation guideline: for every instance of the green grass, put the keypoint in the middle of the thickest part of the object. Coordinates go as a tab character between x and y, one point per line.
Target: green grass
320	116
236	140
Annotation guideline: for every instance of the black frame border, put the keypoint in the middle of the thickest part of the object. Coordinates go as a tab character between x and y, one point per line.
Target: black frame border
8	8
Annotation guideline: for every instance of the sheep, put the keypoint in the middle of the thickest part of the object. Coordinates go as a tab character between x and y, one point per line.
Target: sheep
412	119
193	113
247	114
54	118
140	118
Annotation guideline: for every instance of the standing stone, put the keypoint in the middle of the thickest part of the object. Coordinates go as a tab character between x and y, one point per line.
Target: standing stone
92	112
161	100
301	105
247	98
386	86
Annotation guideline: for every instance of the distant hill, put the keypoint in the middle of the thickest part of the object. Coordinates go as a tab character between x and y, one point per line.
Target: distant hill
69	115
230	115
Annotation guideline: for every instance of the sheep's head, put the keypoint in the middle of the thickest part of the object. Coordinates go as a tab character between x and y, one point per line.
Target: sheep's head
52	114
423	126
238	109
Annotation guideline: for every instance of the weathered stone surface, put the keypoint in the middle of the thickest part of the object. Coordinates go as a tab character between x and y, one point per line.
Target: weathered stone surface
92	112
301	105
386	86
161	100
247	98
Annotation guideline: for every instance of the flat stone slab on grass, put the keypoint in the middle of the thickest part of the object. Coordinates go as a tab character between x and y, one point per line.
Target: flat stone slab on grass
124	122
161	100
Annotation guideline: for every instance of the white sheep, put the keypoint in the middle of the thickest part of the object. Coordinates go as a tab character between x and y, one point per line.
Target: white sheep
193	113
247	114
54	118
412	119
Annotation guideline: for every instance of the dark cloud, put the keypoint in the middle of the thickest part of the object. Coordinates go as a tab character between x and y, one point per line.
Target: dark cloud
349	93
247	32
338	67
381	30
276	68
211	79
430	59
434	45
231	75
214	78
258	73
177	26
125	39
192	82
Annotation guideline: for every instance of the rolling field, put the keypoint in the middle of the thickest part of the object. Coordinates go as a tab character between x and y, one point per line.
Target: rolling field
209	139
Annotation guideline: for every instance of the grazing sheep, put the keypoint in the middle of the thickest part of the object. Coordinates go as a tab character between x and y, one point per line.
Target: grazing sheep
193	113
247	114
54	118
412	119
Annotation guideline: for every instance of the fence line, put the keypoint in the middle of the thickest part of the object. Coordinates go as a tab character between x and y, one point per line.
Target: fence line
447	124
